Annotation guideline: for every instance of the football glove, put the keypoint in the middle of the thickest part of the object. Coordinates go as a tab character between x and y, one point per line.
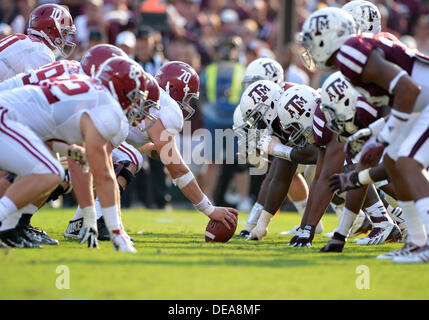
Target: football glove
341	182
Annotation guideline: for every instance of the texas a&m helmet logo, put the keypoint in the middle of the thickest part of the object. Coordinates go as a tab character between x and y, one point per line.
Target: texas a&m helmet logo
318	23
336	89
295	106
372	14
270	70
259	93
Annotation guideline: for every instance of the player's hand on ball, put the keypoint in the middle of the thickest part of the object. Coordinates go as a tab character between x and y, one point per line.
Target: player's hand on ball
338	183
372	152
228	216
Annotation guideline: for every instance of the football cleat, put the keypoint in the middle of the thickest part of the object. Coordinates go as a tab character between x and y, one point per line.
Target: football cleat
121	243
36	235
361	225
73	228
243	234
334	245
420	255
14	238
407	249
382	232
397	217
103	232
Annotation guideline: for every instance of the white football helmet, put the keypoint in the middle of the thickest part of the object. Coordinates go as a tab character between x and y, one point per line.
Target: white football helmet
258	104
323	33
366	15
263	69
339	100
296	112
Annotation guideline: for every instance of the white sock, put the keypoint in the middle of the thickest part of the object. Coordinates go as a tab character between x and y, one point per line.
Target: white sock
7	207
422	207
98	208
78	214
112	218
255	213
11	221
377	210
346	222
415	229
300	206
338	209
29	209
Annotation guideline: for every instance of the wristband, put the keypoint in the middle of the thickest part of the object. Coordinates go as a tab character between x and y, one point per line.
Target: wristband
395	80
282	151
184	180
205	206
364	177
111	217
89	217
377	126
392	127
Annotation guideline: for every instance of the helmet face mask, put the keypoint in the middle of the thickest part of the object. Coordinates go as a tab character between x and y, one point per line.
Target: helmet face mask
186	104
298	135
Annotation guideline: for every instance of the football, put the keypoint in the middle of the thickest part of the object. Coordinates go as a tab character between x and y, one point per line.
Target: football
217	232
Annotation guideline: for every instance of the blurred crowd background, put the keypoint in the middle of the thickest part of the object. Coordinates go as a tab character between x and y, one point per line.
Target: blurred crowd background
218	38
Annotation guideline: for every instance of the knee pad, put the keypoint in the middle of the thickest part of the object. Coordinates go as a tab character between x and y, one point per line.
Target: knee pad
10	177
121	169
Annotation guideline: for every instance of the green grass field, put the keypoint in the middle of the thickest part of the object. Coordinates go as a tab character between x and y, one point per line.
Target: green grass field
174	262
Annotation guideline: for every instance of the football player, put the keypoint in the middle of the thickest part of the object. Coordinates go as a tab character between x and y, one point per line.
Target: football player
118	89
179	83
49	28
386	73
127	160
269	69
346	111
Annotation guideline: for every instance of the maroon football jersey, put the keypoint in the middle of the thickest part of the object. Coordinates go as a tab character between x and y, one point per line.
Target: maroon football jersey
287	85
322	135
366	113
353	56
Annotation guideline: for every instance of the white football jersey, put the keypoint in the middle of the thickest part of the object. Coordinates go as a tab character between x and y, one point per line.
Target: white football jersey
21	53
170	115
54	108
62	68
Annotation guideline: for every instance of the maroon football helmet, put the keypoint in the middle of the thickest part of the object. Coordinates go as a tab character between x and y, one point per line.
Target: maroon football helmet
181	82
126	80
97	55
54	24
